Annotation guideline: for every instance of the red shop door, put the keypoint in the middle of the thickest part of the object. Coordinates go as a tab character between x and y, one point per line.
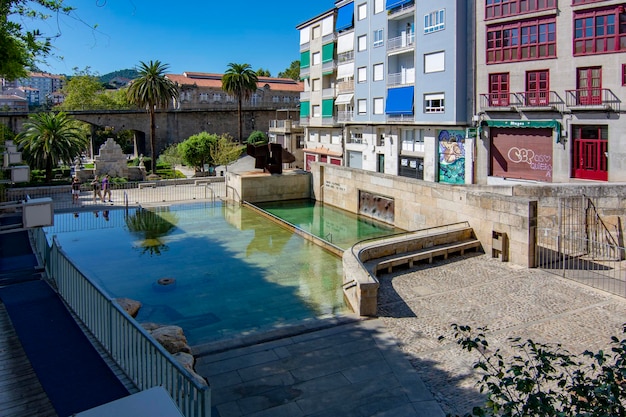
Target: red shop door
590	149
309	158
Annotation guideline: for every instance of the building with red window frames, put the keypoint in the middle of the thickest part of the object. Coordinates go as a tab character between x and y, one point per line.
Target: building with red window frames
550	81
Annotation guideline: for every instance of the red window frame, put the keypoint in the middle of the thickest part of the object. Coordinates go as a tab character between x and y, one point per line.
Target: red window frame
599	31
526	40
502	8
537	88
623	74
499	89
589	86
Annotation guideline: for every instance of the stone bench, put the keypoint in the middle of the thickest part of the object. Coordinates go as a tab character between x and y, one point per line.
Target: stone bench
146	185
203	182
409	259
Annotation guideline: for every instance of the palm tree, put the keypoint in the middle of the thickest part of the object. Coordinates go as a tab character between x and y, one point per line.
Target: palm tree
240	81
152	90
48	138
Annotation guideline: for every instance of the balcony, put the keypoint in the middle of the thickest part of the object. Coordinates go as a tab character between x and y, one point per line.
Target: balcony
345	116
305	72
400	118
329	66
328	93
540	100
305	121
398	12
305	96
345	57
345	86
284	126
592	99
400	44
499	101
401	78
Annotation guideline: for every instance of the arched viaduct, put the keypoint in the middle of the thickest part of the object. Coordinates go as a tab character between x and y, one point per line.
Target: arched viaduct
172	126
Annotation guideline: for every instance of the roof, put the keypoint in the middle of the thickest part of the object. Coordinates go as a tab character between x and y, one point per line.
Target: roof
209	80
11	97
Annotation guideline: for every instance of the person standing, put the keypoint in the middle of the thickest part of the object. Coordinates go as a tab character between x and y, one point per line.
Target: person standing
97	191
75	190
106	189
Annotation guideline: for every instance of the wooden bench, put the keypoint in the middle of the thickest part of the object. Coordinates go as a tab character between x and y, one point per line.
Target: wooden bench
146	185
409	259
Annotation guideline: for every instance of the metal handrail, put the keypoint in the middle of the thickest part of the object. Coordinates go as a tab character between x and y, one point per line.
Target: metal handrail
146	363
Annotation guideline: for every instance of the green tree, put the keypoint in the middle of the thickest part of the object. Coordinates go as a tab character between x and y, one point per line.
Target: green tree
225	151
171	155
20	48
81	93
152	90
545	380
263	73
196	150
240	81
292	72
48	138
257	138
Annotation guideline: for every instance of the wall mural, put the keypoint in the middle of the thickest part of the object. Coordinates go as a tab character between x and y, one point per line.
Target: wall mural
376	206
452	156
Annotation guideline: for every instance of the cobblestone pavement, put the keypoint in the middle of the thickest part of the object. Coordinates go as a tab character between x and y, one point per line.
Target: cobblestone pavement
418	306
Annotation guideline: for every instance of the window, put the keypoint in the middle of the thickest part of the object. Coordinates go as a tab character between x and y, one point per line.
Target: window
317	32
361	75
412	140
499	89
589	86
275	99
204	96
522	41
362	11
623	74
537	88
434	103
379	6
378	38
317	84
317	110
379	74
286	99
378	105
501	8
362	43
435	21
217	97
599	31
362	106
434	62
316	58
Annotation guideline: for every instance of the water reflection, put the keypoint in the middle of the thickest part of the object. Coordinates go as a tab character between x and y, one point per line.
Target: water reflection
151	226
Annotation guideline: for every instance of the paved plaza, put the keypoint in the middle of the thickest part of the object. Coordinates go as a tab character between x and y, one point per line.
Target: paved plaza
394	365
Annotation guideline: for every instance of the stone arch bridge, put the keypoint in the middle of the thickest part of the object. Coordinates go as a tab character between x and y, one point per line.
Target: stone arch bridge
172	126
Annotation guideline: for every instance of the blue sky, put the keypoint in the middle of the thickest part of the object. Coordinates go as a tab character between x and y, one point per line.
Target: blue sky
188	35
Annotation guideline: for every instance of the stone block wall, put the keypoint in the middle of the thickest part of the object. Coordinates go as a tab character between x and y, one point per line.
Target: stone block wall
261	187
420	205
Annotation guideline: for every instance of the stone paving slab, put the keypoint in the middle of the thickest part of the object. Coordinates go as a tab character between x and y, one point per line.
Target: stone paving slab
420	305
352	369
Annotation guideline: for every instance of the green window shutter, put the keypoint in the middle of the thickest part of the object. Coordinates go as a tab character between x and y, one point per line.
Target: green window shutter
305	59
305	109
328	52
327	108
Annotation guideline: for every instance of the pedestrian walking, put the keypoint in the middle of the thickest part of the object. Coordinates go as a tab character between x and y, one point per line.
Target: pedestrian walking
75	190
97	189
106	189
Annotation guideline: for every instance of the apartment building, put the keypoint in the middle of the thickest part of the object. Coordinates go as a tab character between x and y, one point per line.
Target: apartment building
323	135
38	88
403	87
551	76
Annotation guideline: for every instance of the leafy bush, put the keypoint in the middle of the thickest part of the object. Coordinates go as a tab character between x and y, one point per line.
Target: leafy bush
547	380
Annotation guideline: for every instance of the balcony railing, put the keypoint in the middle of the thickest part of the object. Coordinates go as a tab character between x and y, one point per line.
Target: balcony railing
345	57
305	72
329	66
284	125
592	98
401	118
305	121
400	42
401	78
401	10
345	116
547	100
499	101
328	93
345	86
305	96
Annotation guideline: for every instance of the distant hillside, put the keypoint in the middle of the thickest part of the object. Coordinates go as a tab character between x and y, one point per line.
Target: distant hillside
125	73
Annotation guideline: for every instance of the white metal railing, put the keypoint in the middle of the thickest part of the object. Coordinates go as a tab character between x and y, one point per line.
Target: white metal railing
401	78
142	359
399	42
345	116
345	86
345	56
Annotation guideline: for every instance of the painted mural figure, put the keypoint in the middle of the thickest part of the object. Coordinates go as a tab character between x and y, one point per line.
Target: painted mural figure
452	156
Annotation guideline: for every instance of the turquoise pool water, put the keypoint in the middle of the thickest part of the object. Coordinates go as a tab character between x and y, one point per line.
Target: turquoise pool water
235	272
337	226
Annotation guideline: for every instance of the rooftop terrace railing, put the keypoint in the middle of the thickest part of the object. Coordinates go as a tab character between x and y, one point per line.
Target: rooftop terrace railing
146	363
